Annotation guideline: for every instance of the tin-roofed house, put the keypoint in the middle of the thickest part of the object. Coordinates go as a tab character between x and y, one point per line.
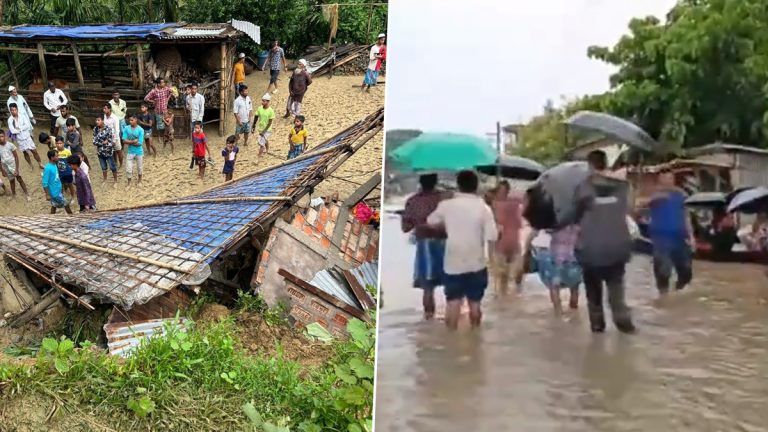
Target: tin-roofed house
88	62
746	165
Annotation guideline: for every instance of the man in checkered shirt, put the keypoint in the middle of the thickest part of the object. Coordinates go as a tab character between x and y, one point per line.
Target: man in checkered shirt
159	96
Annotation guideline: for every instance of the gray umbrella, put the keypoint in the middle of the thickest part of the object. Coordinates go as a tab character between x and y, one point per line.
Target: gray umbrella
750	201
560	183
706	199
613	127
514	167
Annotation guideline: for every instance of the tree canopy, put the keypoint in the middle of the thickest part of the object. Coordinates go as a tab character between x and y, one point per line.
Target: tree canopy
699	76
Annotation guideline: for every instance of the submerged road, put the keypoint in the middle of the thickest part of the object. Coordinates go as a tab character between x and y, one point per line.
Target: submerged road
699	362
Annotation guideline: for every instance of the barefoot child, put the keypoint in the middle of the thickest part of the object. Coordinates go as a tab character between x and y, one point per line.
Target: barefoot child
200	149
168	135
104	140
52	183
84	192
557	266
9	165
74	140
262	123
470	230
297	138
230	157
146	120
65	171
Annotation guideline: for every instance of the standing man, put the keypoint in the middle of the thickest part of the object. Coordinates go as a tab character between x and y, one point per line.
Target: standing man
471	231
24	109
54	99
671	233
111	121
276	62
430	242
159	96
376	58
61	121
119	107
297	87
196	107
238	73
9	165
21	130
243	109
604	245
508	212
133	137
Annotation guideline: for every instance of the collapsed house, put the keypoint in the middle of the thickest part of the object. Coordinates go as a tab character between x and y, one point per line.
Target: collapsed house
347	59
146	261
88	62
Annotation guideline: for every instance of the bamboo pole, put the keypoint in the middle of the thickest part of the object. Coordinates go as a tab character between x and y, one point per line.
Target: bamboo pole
370	17
94	248
49	299
53	284
78	66
140	62
223	93
41	59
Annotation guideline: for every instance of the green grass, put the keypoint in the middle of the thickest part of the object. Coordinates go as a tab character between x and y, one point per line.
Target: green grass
201	380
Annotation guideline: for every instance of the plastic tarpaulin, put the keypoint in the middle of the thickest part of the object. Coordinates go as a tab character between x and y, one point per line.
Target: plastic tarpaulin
101	31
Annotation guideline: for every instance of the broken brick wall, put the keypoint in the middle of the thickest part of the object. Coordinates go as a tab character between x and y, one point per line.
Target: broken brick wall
307	308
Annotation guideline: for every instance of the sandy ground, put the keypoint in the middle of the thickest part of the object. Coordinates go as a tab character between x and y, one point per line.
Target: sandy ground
331	105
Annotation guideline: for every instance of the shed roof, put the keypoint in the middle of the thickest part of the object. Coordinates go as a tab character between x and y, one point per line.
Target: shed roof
129	256
27	33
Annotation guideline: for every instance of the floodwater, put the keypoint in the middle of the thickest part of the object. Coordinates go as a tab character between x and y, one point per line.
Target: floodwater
699	362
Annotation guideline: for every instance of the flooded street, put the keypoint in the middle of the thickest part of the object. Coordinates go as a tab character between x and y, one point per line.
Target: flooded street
699	362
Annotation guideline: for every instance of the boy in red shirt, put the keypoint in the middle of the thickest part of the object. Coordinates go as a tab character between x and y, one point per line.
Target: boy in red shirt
199	148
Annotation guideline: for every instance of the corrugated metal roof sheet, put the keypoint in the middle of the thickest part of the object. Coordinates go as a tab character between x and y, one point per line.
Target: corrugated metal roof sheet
252	30
124	337
367	274
332	282
129	256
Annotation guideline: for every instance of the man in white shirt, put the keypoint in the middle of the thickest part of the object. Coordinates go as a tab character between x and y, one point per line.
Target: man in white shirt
243	109
471	230
21	132
53	99
24	109
119	108
195	106
377	55
111	121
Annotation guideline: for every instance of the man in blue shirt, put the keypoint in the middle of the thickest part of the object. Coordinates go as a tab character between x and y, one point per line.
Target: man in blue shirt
671	233
52	184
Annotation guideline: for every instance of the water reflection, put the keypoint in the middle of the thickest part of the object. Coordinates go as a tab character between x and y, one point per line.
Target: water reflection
698	363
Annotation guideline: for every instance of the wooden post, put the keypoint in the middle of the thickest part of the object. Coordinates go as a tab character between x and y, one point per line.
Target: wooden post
12	68
78	67
140	61
41	58
370	17
223	84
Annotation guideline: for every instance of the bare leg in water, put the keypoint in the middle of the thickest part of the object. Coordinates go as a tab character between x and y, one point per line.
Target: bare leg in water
554	296
452	311
428	301
475	314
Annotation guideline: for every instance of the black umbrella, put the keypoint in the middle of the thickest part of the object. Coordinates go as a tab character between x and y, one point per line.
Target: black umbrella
613	127
514	167
706	199
752	200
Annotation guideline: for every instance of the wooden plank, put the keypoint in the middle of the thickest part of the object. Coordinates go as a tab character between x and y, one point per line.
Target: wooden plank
140	61
78	67
48	299
12	69
41	59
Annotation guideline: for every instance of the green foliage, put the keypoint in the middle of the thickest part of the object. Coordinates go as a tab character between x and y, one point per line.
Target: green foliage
69	12
248	302
199	379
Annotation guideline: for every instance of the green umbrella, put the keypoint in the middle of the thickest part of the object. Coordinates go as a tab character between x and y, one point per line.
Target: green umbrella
442	151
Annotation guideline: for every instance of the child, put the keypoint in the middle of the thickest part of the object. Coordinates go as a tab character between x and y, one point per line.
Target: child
557	266
146	120
65	171
52	183
471	230
48	140
230	157
133	137
168	135
262	123
9	166
104	140
199	148
84	192
74	139
297	137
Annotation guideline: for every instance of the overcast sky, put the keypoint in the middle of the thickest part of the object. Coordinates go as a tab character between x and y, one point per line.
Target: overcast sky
457	65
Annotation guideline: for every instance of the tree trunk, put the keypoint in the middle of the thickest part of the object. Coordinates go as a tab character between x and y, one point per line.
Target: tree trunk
2	11
149	11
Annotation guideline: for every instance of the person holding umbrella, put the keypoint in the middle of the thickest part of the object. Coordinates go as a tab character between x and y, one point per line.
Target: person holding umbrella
430	242
604	244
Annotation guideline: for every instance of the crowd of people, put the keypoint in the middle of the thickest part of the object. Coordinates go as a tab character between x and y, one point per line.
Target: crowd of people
463	241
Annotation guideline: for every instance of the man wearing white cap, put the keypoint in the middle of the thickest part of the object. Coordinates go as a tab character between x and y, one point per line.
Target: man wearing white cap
262	123
239	73
376	58
297	87
20	102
